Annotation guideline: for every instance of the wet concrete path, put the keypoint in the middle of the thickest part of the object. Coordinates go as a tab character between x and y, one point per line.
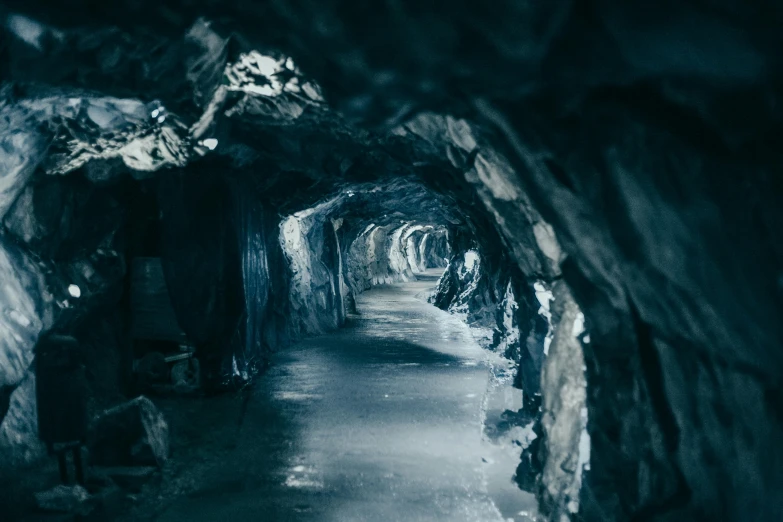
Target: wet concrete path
379	421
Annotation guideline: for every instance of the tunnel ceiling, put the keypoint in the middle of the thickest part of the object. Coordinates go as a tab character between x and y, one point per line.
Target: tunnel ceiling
216	101
645	138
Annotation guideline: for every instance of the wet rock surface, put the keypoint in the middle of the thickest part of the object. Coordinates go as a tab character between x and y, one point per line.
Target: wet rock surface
306	451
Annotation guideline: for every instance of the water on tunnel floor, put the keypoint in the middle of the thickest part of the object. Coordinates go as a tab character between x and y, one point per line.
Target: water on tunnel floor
379	421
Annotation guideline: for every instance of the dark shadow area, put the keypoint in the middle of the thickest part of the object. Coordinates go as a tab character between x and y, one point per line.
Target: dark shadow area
382	350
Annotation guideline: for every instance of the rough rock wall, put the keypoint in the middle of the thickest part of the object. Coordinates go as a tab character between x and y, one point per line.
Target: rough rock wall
311	246
19	443
649	238
545	345
498	301
65	226
60	232
425	247
433	249
465	290
669	216
266	280
521	335
563	410
275	322
377	256
30	310
60	265
74	225
513	223
657	186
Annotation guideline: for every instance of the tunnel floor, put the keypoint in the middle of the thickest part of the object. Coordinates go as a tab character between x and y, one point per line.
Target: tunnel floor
381	420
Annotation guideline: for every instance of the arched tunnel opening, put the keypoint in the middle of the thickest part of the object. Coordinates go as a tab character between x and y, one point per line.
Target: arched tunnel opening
322	261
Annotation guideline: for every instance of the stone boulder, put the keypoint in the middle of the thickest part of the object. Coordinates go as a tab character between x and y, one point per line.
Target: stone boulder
131	434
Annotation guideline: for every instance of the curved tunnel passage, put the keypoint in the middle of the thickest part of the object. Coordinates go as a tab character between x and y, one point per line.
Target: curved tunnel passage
377	421
190	190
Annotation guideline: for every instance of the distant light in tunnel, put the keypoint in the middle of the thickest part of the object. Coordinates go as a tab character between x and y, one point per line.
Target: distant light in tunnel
161	119
351	193
75	291
210	143
155	113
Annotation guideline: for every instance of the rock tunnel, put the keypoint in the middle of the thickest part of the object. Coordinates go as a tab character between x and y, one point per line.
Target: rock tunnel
593	184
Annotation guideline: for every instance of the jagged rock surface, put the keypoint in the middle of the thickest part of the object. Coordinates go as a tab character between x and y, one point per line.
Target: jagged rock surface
311	245
634	150
485	296
563	410
19	429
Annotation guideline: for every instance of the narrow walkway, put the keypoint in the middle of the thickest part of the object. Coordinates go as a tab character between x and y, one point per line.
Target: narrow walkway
379	421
